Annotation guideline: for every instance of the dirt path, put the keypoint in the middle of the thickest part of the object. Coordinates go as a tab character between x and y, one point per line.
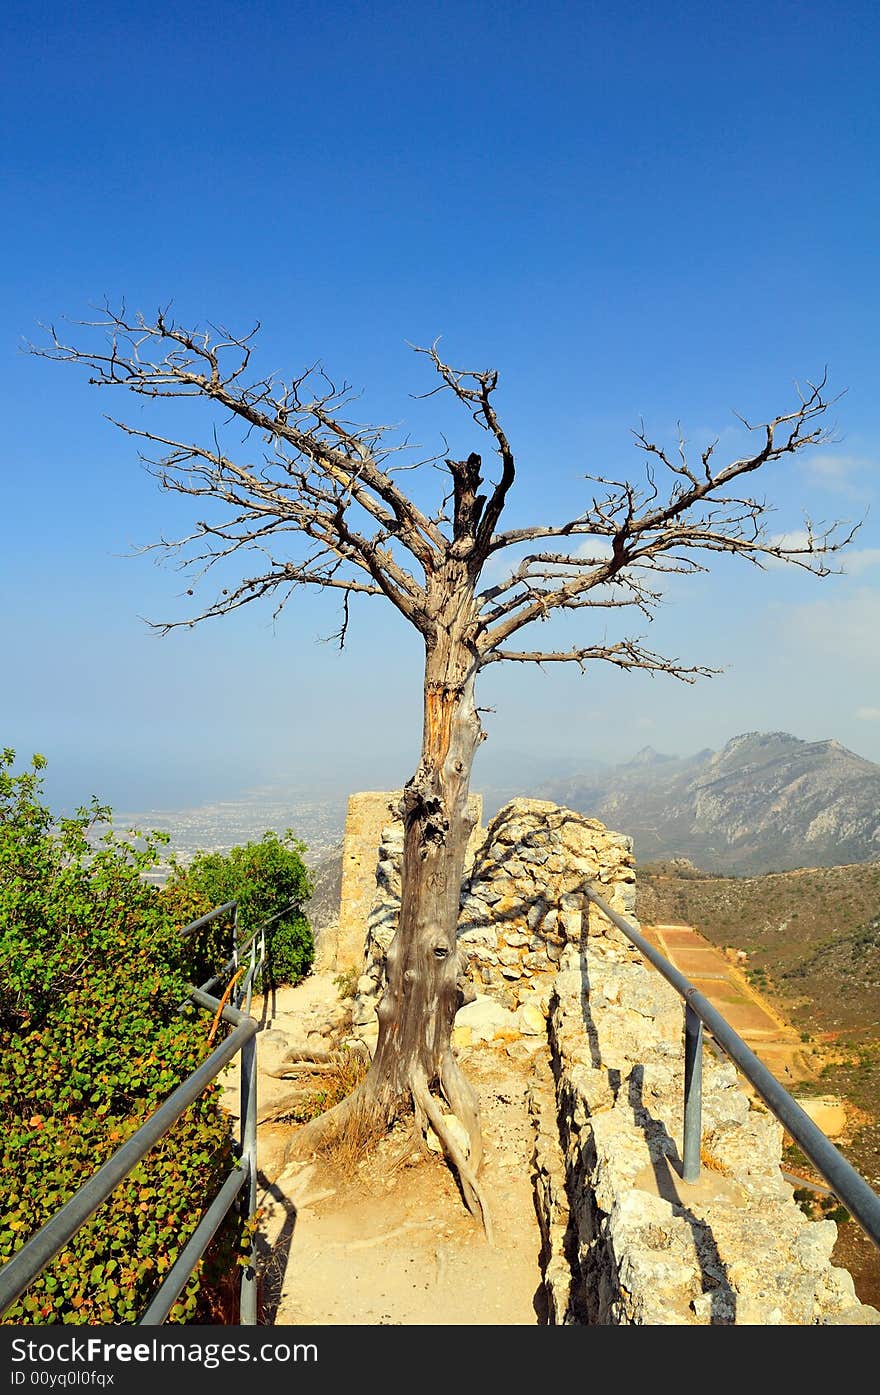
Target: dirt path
386	1239
773	1039
778	1045
390	1242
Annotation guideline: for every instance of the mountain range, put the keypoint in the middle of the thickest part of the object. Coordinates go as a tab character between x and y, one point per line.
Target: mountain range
766	802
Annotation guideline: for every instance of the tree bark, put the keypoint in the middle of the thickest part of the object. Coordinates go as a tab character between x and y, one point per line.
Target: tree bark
414	1064
414	1055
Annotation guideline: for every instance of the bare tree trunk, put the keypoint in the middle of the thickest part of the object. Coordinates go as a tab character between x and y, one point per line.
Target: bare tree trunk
417	1011
414	1054
414	1059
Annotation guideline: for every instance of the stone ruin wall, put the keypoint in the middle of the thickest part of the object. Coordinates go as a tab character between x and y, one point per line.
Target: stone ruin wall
626	1241
367	814
647	1248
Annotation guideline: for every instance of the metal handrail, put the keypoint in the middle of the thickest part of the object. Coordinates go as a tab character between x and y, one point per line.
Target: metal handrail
207	919
841	1176
27	1263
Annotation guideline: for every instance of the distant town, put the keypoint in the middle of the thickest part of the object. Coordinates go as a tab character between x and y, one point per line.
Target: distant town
217	827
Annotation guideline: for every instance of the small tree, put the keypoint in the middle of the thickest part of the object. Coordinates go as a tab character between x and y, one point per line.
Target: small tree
263	878
311	475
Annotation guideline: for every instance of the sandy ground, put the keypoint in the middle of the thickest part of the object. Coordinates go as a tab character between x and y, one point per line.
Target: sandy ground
387	1239
390	1241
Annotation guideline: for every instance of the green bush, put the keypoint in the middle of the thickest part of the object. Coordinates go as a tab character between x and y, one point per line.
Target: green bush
262	877
92	976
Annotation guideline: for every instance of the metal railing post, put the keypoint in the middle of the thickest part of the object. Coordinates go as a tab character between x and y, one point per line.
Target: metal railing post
249	1160
235	962
693	1094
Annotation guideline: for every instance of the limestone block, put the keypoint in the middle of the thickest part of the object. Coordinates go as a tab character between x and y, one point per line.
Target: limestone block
514	938
485	1018
536	912
593	1086
274	1048
535	963
530	1019
524	1047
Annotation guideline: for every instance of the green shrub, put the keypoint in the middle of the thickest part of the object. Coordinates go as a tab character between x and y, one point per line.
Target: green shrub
262	877
92	976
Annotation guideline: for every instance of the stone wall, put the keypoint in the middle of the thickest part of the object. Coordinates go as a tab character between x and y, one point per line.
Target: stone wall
522	902
368	812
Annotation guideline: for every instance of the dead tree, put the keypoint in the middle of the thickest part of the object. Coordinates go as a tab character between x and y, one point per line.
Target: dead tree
318	500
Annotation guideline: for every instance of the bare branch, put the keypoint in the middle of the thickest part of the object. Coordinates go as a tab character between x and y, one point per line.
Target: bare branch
643	532
190	364
626	654
332	482
298	504
475	389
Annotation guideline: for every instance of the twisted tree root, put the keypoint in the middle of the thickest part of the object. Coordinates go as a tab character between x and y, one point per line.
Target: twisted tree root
290	1068
464	1104
472	1192
309	1138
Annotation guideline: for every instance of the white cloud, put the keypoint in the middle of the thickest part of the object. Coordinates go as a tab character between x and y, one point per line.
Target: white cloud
860	560
835	467
868	714
844	629
796	538
839	473
591	547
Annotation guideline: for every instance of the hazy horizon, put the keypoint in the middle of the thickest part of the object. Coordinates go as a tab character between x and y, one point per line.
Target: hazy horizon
174	791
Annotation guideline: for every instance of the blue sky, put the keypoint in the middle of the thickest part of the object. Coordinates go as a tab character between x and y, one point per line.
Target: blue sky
631	211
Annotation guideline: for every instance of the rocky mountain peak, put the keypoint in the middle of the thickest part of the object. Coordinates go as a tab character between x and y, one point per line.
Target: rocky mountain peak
648	756
766	801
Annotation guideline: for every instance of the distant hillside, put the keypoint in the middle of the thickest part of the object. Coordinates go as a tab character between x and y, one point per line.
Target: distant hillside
766	802
322	908
814	931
